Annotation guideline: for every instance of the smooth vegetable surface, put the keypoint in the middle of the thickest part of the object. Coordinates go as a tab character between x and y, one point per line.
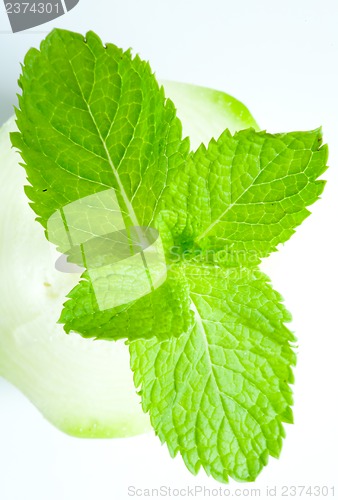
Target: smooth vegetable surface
170	239
85	388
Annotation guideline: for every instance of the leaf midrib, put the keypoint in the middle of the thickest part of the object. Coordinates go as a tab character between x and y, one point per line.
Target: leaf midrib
199	324
128	205
231	205
126	200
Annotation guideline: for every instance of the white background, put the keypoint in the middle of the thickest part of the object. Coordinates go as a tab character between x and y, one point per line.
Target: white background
281	59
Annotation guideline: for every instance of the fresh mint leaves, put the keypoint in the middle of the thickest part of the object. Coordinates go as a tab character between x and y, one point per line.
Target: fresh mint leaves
209	349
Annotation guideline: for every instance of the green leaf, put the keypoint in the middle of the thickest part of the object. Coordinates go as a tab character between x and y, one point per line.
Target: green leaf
92	118
246	193
163	313
219	393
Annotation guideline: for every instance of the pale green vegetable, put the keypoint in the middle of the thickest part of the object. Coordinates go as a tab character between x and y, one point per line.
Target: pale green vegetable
85	388
81	386
201	122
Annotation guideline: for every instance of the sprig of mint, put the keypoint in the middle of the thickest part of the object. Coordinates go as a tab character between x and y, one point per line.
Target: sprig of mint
209	348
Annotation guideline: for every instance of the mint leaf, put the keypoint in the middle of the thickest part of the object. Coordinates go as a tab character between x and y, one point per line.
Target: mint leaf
163	313
92	118
246	193
219	393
